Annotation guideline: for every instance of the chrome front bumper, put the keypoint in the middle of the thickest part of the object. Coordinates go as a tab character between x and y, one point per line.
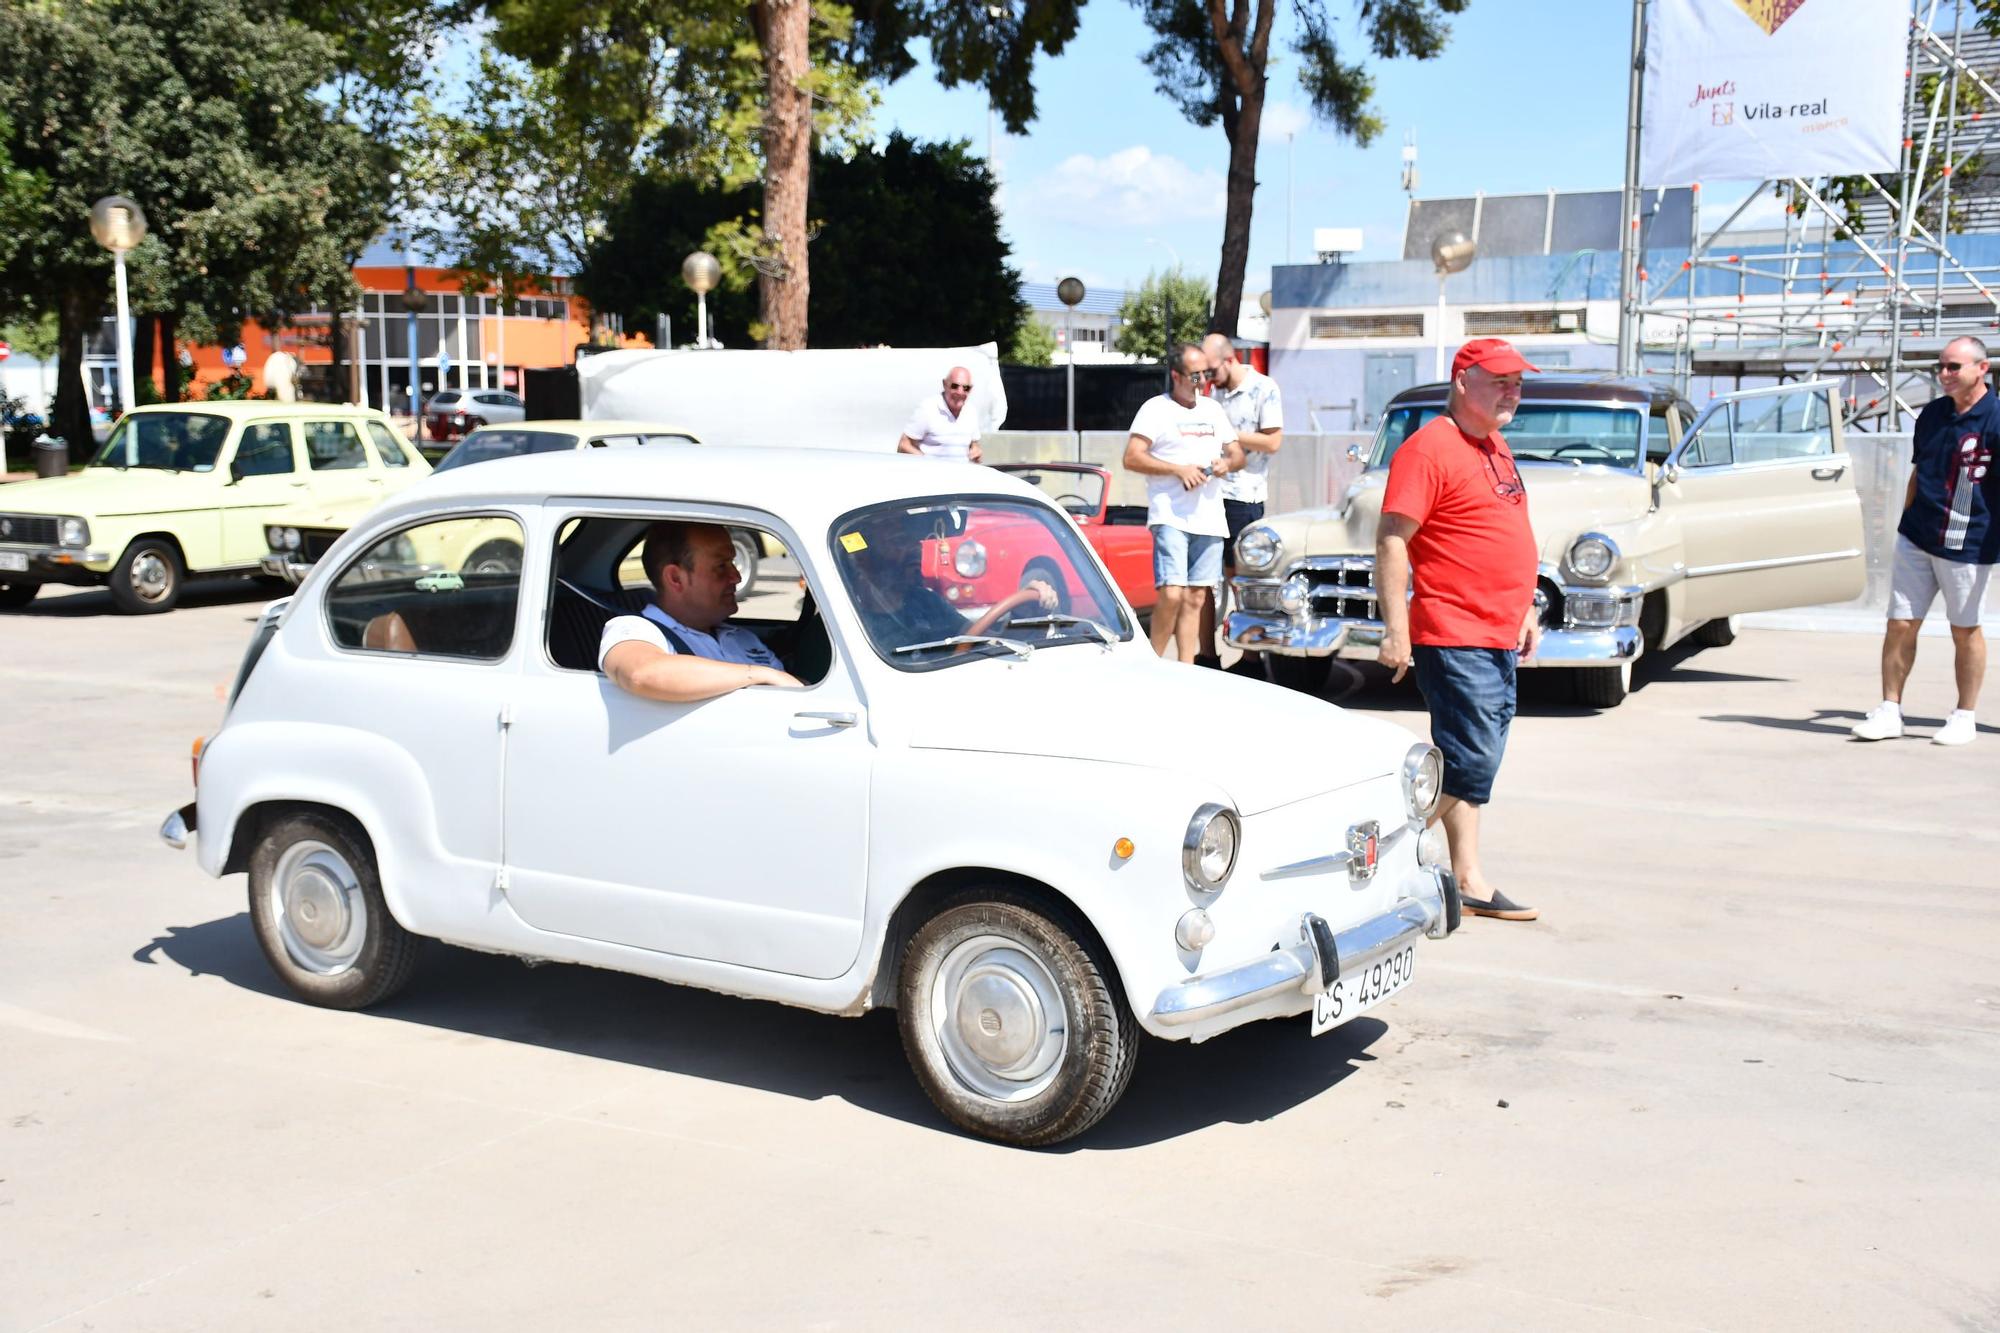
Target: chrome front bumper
178	827
58	564
289	568
1285	980
1361	640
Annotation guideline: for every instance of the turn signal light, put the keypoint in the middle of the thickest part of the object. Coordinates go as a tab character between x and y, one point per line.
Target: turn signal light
1123	849
194	759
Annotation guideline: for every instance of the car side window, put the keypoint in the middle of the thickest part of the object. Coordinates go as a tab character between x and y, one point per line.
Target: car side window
265	450
387	447
447	588
1781	426
1711	445
333	446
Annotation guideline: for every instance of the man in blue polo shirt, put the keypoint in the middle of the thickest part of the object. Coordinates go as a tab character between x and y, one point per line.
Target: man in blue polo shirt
1948	541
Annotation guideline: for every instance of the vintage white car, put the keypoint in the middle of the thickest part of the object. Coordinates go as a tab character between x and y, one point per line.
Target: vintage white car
1653	525
1034	841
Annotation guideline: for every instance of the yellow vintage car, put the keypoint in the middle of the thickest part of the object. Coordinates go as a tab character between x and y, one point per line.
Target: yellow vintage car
187	488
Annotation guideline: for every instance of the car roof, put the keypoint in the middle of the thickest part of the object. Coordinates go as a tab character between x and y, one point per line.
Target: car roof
252	409
806	487
608	427
1605	387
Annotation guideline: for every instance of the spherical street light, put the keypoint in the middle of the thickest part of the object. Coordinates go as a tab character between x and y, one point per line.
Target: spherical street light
119	225
1451	251
701	271
1070	292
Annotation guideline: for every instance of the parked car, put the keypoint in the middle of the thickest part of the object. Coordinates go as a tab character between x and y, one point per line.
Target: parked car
299	536
1118	533
992	834
181	489
450	413
1654	524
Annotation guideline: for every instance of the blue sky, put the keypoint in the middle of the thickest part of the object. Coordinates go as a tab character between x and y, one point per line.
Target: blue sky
1112	182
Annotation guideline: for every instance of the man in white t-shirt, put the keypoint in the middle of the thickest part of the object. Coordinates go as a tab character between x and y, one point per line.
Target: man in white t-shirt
1251	401
940	427
1183	444
682	649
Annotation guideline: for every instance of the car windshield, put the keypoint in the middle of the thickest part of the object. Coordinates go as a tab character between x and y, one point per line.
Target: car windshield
483	446
1609	433
1081	493
172	441
939	582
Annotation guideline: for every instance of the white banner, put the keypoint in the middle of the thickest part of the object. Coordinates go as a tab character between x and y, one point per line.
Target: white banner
1762	89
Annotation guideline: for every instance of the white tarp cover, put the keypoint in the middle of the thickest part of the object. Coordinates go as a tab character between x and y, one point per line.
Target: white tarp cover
833	399
1763	89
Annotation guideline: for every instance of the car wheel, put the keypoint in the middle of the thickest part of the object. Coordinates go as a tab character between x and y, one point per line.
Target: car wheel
148	577
1012	1023
1603	687
747	553
495	558
1049	574
14	596
1716	633
316	905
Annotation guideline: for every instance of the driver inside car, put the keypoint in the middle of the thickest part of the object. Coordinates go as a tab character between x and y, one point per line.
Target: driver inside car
682	649
896	603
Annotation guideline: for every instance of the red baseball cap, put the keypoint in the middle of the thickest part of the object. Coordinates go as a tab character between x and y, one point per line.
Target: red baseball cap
1495	356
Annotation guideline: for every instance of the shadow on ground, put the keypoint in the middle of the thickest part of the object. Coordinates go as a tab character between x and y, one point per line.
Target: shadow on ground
198	593
1253	1074
1840	722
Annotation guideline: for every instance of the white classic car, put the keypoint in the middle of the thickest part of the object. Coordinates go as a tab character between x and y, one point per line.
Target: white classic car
1654	525
1032	841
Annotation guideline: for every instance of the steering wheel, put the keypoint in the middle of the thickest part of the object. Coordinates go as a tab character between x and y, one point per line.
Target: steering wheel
1060	499
1593	447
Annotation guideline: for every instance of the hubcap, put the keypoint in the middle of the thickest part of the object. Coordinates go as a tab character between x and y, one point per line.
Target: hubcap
999	1018
317	901
150	576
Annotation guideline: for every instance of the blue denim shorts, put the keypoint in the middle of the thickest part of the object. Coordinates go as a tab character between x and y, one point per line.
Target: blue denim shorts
1470	694
1185	559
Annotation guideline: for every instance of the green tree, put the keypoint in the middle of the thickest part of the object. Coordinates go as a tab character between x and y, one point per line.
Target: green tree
1211	59
21	192
1143	316
1034	345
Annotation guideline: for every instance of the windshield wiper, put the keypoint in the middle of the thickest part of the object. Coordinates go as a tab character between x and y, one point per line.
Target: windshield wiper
1018	649
1054	618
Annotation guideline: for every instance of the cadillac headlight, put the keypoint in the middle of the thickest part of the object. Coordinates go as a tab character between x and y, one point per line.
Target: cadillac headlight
969	560
1208	853
75	532
1423	780
1257	548
1295	594
1592	555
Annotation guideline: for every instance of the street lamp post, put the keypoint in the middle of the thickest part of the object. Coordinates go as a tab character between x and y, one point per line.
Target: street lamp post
118	224
1070	292
1451	251
701	271
414	303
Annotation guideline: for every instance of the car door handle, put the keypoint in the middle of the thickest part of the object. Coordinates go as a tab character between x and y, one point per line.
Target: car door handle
831	719
296	483
1828	473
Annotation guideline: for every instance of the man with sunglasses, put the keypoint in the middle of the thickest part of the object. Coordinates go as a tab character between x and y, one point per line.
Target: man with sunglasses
1455	513
940	427
1947	542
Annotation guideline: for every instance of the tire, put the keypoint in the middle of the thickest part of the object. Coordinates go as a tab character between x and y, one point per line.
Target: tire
1042	1079
1603	687
317	908
1047	573
14	596
746	555
148	577
495	558
1716	633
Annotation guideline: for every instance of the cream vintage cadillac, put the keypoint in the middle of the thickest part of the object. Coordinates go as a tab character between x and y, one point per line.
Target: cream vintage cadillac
1004	835
1653	525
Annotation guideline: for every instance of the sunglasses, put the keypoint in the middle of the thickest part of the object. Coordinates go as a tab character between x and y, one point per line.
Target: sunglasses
1958	365
1510	491
1198	376
951	385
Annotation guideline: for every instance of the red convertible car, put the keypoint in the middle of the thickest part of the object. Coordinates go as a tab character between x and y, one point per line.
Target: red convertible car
994	556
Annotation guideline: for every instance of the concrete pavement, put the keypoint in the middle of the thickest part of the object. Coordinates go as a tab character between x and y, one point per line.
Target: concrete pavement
1743	1074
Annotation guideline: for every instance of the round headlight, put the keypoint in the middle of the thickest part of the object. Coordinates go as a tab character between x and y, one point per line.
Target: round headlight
1257	548
1423	780
75	532
275	538
970	559
1592	556
1295	594
1208	853
291	539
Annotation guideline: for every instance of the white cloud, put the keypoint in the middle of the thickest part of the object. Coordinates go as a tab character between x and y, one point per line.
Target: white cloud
1282	118
1133	187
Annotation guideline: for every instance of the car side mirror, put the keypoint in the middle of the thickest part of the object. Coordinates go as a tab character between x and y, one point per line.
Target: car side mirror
1354	453
236	473
1670	473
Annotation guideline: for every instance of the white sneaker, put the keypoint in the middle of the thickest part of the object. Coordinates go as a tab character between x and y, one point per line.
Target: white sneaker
1884	723
1958	729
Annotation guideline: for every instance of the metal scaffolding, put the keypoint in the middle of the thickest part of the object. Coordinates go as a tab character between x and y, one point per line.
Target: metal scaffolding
1863	285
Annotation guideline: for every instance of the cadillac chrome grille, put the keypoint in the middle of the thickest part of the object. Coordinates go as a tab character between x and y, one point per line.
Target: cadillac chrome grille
1344	589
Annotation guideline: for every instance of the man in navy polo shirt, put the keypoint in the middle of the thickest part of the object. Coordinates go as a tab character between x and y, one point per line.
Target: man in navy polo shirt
1948	541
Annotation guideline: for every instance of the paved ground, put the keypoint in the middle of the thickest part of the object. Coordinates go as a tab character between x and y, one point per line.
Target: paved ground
1745	1075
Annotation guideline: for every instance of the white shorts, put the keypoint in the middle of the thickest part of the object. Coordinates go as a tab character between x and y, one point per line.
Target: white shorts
1917	577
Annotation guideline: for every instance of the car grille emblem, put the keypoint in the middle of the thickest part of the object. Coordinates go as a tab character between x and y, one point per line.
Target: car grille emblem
1364	847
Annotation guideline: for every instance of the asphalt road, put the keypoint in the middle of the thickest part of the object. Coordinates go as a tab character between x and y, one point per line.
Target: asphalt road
1745	1073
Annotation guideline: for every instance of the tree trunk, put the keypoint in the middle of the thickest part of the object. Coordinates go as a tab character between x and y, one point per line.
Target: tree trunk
76	311
336	375
1236	212
783	26
170	359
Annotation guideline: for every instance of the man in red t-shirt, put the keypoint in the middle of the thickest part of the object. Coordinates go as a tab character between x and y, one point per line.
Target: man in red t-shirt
1455	512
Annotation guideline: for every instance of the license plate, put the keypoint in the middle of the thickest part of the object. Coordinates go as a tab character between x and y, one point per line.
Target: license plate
1355	993
14	561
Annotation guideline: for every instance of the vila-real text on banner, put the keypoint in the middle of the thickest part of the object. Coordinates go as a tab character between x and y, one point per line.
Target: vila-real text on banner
1763	89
